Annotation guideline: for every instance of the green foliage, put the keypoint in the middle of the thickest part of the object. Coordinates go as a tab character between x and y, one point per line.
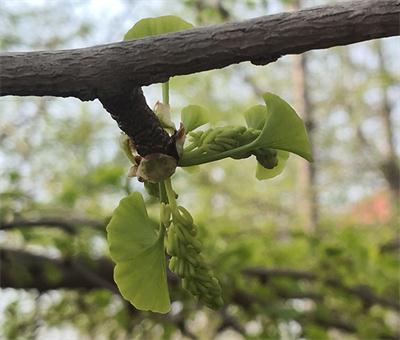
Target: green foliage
272	130
265	173
256	116
186	260
137	248
55	148
283	129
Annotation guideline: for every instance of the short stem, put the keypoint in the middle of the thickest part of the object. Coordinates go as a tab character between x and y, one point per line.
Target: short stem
170	194
162	187
163	193
165	93
207	158
162	232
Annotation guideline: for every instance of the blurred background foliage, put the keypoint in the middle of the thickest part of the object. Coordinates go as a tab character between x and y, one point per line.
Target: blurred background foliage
311	254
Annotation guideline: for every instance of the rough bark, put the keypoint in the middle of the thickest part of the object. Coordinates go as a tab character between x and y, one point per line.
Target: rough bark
88	73
130	110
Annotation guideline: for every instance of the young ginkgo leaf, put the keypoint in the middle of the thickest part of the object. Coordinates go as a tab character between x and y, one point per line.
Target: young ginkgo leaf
283	129
265	173
137	248
256	116
194	116
155	26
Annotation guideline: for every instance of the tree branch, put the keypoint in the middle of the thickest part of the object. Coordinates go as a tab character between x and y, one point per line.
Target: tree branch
138	121
21	269
107	70
25	270
229	321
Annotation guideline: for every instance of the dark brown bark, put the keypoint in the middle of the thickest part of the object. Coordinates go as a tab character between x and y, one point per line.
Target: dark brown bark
130	110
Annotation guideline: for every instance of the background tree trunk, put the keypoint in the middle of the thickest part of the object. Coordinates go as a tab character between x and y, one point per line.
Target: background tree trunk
389	165
308	205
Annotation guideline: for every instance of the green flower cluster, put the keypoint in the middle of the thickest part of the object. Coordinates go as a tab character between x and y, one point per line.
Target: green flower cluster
220	139
225	140
186	260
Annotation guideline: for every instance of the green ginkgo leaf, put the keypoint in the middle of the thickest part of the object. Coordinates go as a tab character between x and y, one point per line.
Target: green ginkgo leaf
265	173
278	128
194	116
155	26
283	129
256	116
137	248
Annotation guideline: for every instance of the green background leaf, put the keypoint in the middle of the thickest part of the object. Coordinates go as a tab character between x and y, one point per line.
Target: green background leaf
155	26
138	251
284	129
193	116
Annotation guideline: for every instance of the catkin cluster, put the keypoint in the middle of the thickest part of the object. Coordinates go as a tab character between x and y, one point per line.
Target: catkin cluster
221	139
186	260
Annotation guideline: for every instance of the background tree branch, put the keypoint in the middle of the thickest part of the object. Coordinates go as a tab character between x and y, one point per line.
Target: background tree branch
69	225
32	275
363	292
24	270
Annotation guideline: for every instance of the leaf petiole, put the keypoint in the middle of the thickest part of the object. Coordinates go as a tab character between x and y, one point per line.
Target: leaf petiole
165	92
170	194
190	160
163	193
